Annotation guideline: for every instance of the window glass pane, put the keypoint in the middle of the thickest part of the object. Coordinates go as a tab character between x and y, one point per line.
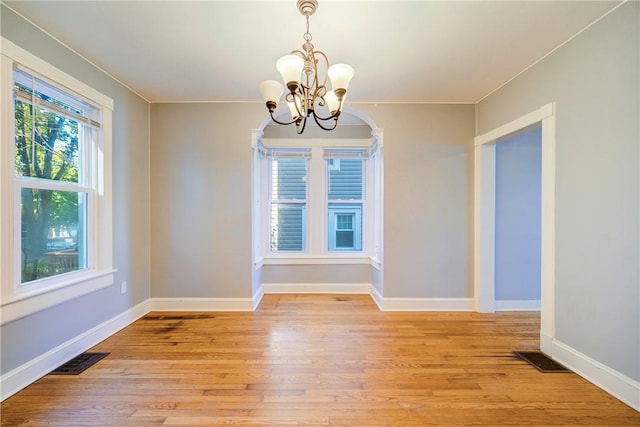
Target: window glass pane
345	179
288	226
46	144
344	239
288	179
345	226
345	222
34	90
53	232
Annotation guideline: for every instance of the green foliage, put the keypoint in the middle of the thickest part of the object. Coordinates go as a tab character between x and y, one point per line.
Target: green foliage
46	147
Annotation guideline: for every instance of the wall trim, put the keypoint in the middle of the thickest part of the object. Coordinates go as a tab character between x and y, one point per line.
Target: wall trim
316	288
377	297
20	377
202	304
517	305
427	304
484	217
613	382
257	297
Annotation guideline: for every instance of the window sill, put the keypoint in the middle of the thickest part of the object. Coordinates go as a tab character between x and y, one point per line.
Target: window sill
313	260
23	304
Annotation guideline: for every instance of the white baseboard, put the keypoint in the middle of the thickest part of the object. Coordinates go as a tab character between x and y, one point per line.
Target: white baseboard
202	304
257	297
517	305
377	297
608	379
426	304
316	288
20	377
384	304
546	343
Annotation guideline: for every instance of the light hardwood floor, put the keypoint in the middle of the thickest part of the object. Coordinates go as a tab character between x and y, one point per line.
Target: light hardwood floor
317	360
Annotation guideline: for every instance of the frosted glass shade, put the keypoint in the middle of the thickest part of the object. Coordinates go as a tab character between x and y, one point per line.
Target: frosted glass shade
292	108
340	76
290	68
332	101
271	90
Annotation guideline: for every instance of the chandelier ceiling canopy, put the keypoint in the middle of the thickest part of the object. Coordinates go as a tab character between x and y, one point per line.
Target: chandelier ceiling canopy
305	73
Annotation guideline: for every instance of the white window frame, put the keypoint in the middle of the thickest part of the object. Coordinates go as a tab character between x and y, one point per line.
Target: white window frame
279	201
18	300
317	227
332	156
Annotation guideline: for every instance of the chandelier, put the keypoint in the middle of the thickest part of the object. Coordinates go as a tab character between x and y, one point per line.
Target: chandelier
308	95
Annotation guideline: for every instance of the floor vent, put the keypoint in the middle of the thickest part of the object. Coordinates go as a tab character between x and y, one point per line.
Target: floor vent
541	361
78	364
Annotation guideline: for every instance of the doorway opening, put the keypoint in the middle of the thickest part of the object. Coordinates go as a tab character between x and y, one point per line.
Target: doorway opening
517	220
485	217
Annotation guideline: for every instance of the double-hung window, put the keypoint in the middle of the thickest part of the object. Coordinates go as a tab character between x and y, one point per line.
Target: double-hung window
345	197
54	136
316	199
288	199
55	193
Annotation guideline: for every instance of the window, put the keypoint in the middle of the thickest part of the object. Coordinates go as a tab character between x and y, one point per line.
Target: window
345	195
54	136
56	232
288	200
316	199
345	228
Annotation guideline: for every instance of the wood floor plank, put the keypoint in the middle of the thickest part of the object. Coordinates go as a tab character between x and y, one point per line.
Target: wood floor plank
317	360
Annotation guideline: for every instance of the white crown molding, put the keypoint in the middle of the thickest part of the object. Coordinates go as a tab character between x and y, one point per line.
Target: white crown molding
20	377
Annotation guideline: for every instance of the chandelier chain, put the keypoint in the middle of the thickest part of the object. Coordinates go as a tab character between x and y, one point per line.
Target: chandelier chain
307	35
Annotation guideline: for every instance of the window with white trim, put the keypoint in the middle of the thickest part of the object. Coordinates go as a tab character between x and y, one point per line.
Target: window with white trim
288	199
55	176
345	197
316	199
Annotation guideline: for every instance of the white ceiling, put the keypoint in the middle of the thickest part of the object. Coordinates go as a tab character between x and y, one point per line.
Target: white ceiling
402	51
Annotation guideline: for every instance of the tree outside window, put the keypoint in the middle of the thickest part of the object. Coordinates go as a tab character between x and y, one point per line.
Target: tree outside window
49	148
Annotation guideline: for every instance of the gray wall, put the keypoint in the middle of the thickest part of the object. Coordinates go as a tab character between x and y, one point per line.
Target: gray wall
428	195
52	327
594	82
201	199
317	274
517	213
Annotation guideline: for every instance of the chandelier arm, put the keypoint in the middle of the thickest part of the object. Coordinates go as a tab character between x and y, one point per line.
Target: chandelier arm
291	97
299	129
279	122
322	102
335	122
326	71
